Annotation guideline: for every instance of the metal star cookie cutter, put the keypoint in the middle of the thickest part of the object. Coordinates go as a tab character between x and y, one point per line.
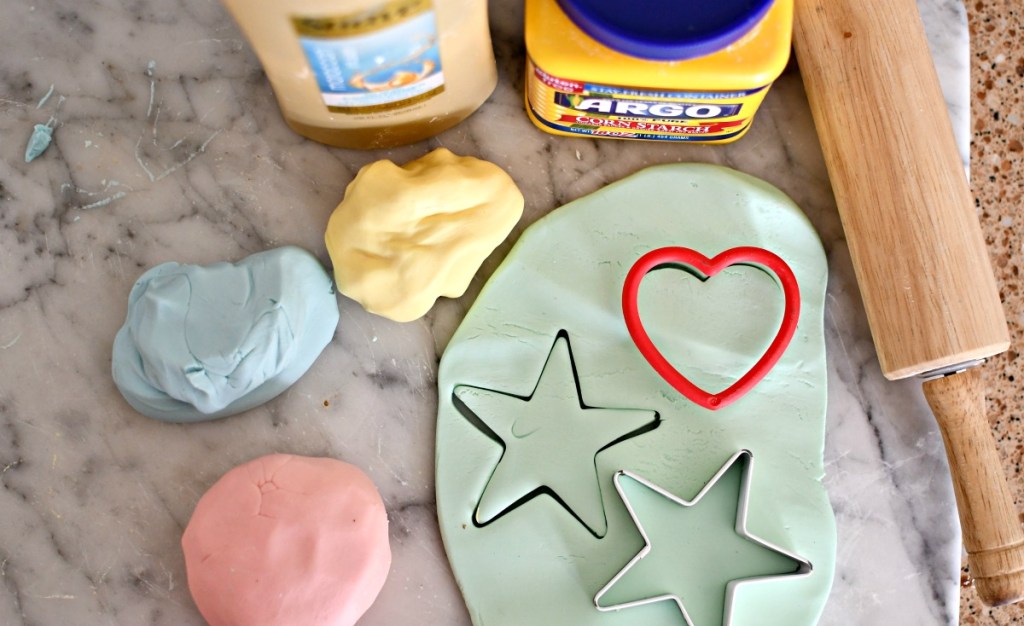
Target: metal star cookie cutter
804	567
559	369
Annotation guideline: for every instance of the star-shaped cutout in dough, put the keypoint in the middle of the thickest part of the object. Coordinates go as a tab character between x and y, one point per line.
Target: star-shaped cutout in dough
551	440
694	555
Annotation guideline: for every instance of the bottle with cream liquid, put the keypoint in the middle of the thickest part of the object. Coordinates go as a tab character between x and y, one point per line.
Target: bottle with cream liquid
372	73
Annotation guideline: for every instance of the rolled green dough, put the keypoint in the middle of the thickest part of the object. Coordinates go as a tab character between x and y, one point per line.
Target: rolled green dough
531	559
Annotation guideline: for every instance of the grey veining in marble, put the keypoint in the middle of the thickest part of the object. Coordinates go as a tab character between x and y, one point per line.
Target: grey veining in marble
170	147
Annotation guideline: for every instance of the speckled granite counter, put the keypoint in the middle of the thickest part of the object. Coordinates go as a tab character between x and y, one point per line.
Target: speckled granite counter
997	167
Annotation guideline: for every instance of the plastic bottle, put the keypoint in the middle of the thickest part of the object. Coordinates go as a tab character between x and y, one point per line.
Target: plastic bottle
661	70
372	73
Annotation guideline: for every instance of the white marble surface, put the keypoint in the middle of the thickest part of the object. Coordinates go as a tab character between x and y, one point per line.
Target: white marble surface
190	161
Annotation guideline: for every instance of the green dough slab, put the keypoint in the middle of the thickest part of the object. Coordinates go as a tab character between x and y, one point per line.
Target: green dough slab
543	397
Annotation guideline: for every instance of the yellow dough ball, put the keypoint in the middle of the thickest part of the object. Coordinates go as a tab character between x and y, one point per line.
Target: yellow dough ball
406	235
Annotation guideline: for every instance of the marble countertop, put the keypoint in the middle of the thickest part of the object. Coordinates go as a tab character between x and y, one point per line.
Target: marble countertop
170	147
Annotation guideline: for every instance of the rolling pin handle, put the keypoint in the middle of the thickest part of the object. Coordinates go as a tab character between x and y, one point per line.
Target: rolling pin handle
992	532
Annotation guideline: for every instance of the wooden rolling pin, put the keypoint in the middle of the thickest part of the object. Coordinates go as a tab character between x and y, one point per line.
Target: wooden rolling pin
916	245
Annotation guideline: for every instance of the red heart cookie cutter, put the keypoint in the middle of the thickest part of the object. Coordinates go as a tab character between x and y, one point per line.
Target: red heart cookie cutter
676	256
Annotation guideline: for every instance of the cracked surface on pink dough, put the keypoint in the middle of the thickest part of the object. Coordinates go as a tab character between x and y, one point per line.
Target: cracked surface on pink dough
287	540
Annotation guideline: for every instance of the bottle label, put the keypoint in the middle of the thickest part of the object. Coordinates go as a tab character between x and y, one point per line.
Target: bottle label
569	106
381	58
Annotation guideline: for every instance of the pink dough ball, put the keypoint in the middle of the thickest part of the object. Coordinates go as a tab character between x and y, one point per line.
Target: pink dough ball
287	540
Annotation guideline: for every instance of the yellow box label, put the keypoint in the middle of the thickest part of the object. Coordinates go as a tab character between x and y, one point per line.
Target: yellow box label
577	107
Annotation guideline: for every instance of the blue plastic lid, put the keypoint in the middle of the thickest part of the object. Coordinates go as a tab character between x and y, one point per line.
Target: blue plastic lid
666	29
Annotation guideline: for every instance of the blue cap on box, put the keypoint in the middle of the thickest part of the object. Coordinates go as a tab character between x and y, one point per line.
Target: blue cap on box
666	29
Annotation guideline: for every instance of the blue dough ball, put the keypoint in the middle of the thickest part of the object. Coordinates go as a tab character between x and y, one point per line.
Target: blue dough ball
203	342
